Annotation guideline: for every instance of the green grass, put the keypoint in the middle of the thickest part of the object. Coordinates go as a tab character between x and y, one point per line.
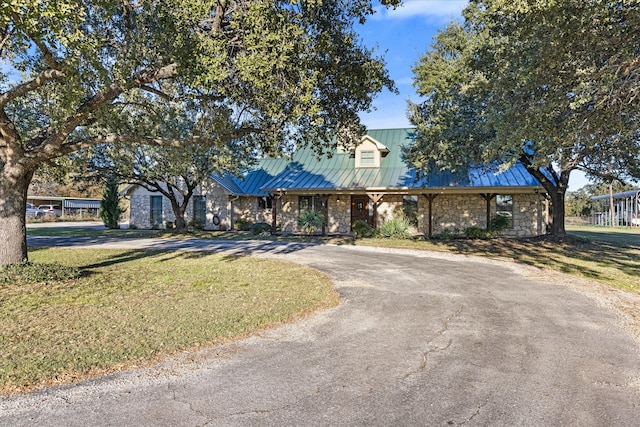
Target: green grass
130	308
164	234
620	236
609	255
606	260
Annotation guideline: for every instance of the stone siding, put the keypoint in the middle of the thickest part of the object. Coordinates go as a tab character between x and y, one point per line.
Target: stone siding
455	212
216	201
452	213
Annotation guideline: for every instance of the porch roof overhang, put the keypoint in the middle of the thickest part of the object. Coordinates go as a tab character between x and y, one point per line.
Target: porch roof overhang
413	190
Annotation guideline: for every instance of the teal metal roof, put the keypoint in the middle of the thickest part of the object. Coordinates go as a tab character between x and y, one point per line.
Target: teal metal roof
306	172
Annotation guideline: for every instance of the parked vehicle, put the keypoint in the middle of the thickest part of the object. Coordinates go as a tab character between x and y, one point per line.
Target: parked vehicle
34	212
51	209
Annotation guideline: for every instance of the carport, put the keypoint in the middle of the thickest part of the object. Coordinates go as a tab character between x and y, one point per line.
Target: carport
70	205
619	209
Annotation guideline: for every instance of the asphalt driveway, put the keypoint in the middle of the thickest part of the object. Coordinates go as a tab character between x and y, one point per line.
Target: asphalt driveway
419	339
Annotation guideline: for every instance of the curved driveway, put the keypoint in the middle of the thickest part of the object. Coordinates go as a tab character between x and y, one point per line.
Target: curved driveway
419	339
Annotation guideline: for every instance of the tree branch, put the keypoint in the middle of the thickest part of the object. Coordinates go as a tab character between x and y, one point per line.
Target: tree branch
26	87
49	59
171	98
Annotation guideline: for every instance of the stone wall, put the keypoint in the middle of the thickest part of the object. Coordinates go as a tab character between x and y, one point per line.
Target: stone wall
216	201
339	214
248	209
454	213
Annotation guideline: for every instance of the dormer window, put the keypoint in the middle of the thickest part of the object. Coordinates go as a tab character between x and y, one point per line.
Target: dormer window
369	153
367	158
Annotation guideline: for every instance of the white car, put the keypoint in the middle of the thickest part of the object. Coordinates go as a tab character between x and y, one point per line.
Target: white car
51	209
34	212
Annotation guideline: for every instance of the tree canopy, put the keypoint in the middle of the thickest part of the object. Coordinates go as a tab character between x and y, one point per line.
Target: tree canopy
267	73
552	84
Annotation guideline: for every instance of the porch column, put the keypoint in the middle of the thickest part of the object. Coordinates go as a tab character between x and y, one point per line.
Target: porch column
324	205
430	198
274	211
488	197
375	198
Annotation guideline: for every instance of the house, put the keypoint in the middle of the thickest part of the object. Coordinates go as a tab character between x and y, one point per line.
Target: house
372	183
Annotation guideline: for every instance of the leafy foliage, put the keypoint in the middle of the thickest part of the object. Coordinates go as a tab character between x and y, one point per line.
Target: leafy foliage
262	74
261	228
397	228
537	83
110	209
499	223
477	233
310	221
242	225
363	229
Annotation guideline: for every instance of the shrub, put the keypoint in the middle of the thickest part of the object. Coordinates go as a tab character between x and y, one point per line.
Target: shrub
261	228
196	225
476	233
499	223
242	225
168	225
363	229
309	221
446	234
110	210
27	272
397	228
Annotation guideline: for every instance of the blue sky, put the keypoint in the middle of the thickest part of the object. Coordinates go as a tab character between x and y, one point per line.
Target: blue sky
402	36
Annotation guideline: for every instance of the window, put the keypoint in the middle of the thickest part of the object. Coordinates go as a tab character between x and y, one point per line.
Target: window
367	158
305	203
265	202
410	209
156	210
504	207
199	210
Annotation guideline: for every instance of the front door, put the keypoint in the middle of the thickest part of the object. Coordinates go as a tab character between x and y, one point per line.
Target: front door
361	209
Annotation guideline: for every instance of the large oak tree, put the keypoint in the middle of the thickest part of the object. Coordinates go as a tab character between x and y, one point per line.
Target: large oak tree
552	84
265	73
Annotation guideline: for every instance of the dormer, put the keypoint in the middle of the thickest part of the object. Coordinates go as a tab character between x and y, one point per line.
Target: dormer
369	153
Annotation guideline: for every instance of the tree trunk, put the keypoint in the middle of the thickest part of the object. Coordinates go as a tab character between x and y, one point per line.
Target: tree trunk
178	212
558	212
556	189
13	232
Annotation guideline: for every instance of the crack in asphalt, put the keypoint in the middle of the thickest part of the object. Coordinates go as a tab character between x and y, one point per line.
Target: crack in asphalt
438	334
174	396
476	413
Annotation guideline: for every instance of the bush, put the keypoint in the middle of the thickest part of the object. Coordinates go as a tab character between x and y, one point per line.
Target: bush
242	225
477	233
499	223
27	272
309	221
168	225
261	228
397	228
363	229
447	234
110	210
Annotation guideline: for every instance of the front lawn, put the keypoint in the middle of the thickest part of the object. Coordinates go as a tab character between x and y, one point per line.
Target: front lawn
130	308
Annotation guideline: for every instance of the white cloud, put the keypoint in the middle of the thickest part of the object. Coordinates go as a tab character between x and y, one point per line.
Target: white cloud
424	8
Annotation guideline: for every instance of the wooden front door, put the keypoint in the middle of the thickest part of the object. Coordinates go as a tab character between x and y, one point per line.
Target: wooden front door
360	209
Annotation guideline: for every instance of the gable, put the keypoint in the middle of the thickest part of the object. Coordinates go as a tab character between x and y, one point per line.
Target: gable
369	153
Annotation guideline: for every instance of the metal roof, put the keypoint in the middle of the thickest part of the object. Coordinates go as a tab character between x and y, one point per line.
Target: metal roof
305	171
81	204
622	195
